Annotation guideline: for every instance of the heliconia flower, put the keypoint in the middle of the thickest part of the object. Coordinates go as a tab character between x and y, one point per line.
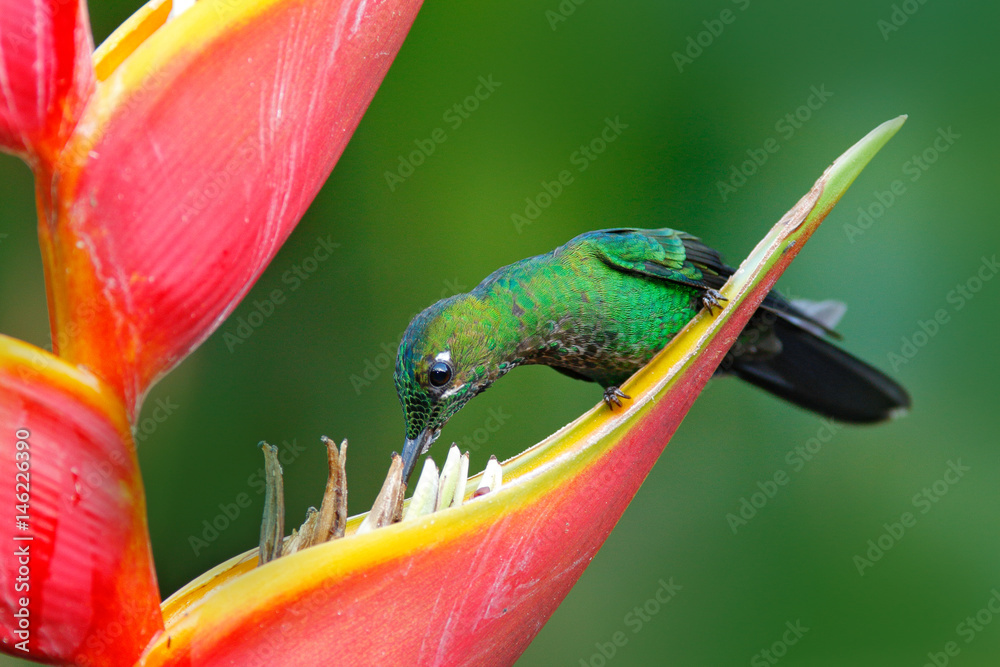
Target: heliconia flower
472	584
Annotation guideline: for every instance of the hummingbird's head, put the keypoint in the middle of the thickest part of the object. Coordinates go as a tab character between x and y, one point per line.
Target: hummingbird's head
445	358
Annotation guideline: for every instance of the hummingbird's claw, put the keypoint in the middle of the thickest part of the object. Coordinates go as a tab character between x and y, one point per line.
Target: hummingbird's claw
712	299
613	396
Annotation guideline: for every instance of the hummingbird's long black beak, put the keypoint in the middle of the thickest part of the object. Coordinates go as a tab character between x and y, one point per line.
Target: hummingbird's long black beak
414	447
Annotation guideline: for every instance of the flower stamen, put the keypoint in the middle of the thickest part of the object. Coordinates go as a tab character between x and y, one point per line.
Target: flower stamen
425	495
454	476
492	478
434	491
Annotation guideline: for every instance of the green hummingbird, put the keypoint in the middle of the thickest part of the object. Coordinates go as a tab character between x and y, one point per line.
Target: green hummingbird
598	309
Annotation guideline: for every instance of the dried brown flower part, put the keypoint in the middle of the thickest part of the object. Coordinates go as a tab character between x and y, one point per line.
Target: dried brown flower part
333	511
272	529
434	492
321	525
302	538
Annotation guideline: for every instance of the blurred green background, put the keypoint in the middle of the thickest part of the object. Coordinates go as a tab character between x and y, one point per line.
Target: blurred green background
318	364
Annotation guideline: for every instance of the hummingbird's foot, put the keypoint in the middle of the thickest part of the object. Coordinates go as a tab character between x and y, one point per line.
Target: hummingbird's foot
613	396
712	299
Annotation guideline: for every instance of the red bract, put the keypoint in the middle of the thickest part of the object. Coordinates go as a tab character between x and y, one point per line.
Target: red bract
80	585
46	75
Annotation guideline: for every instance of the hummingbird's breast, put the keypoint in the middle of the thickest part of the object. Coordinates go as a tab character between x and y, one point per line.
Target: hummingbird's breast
585	318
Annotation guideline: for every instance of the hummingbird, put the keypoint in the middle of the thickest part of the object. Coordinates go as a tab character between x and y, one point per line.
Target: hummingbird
598	309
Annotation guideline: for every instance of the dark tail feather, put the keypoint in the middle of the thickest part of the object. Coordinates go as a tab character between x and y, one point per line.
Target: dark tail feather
818	376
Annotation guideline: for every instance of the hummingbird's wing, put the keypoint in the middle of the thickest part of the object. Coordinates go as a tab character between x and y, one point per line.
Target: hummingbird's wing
782	349
678	257
664	254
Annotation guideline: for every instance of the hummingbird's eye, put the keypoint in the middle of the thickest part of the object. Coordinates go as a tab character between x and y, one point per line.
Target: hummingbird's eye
439	374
